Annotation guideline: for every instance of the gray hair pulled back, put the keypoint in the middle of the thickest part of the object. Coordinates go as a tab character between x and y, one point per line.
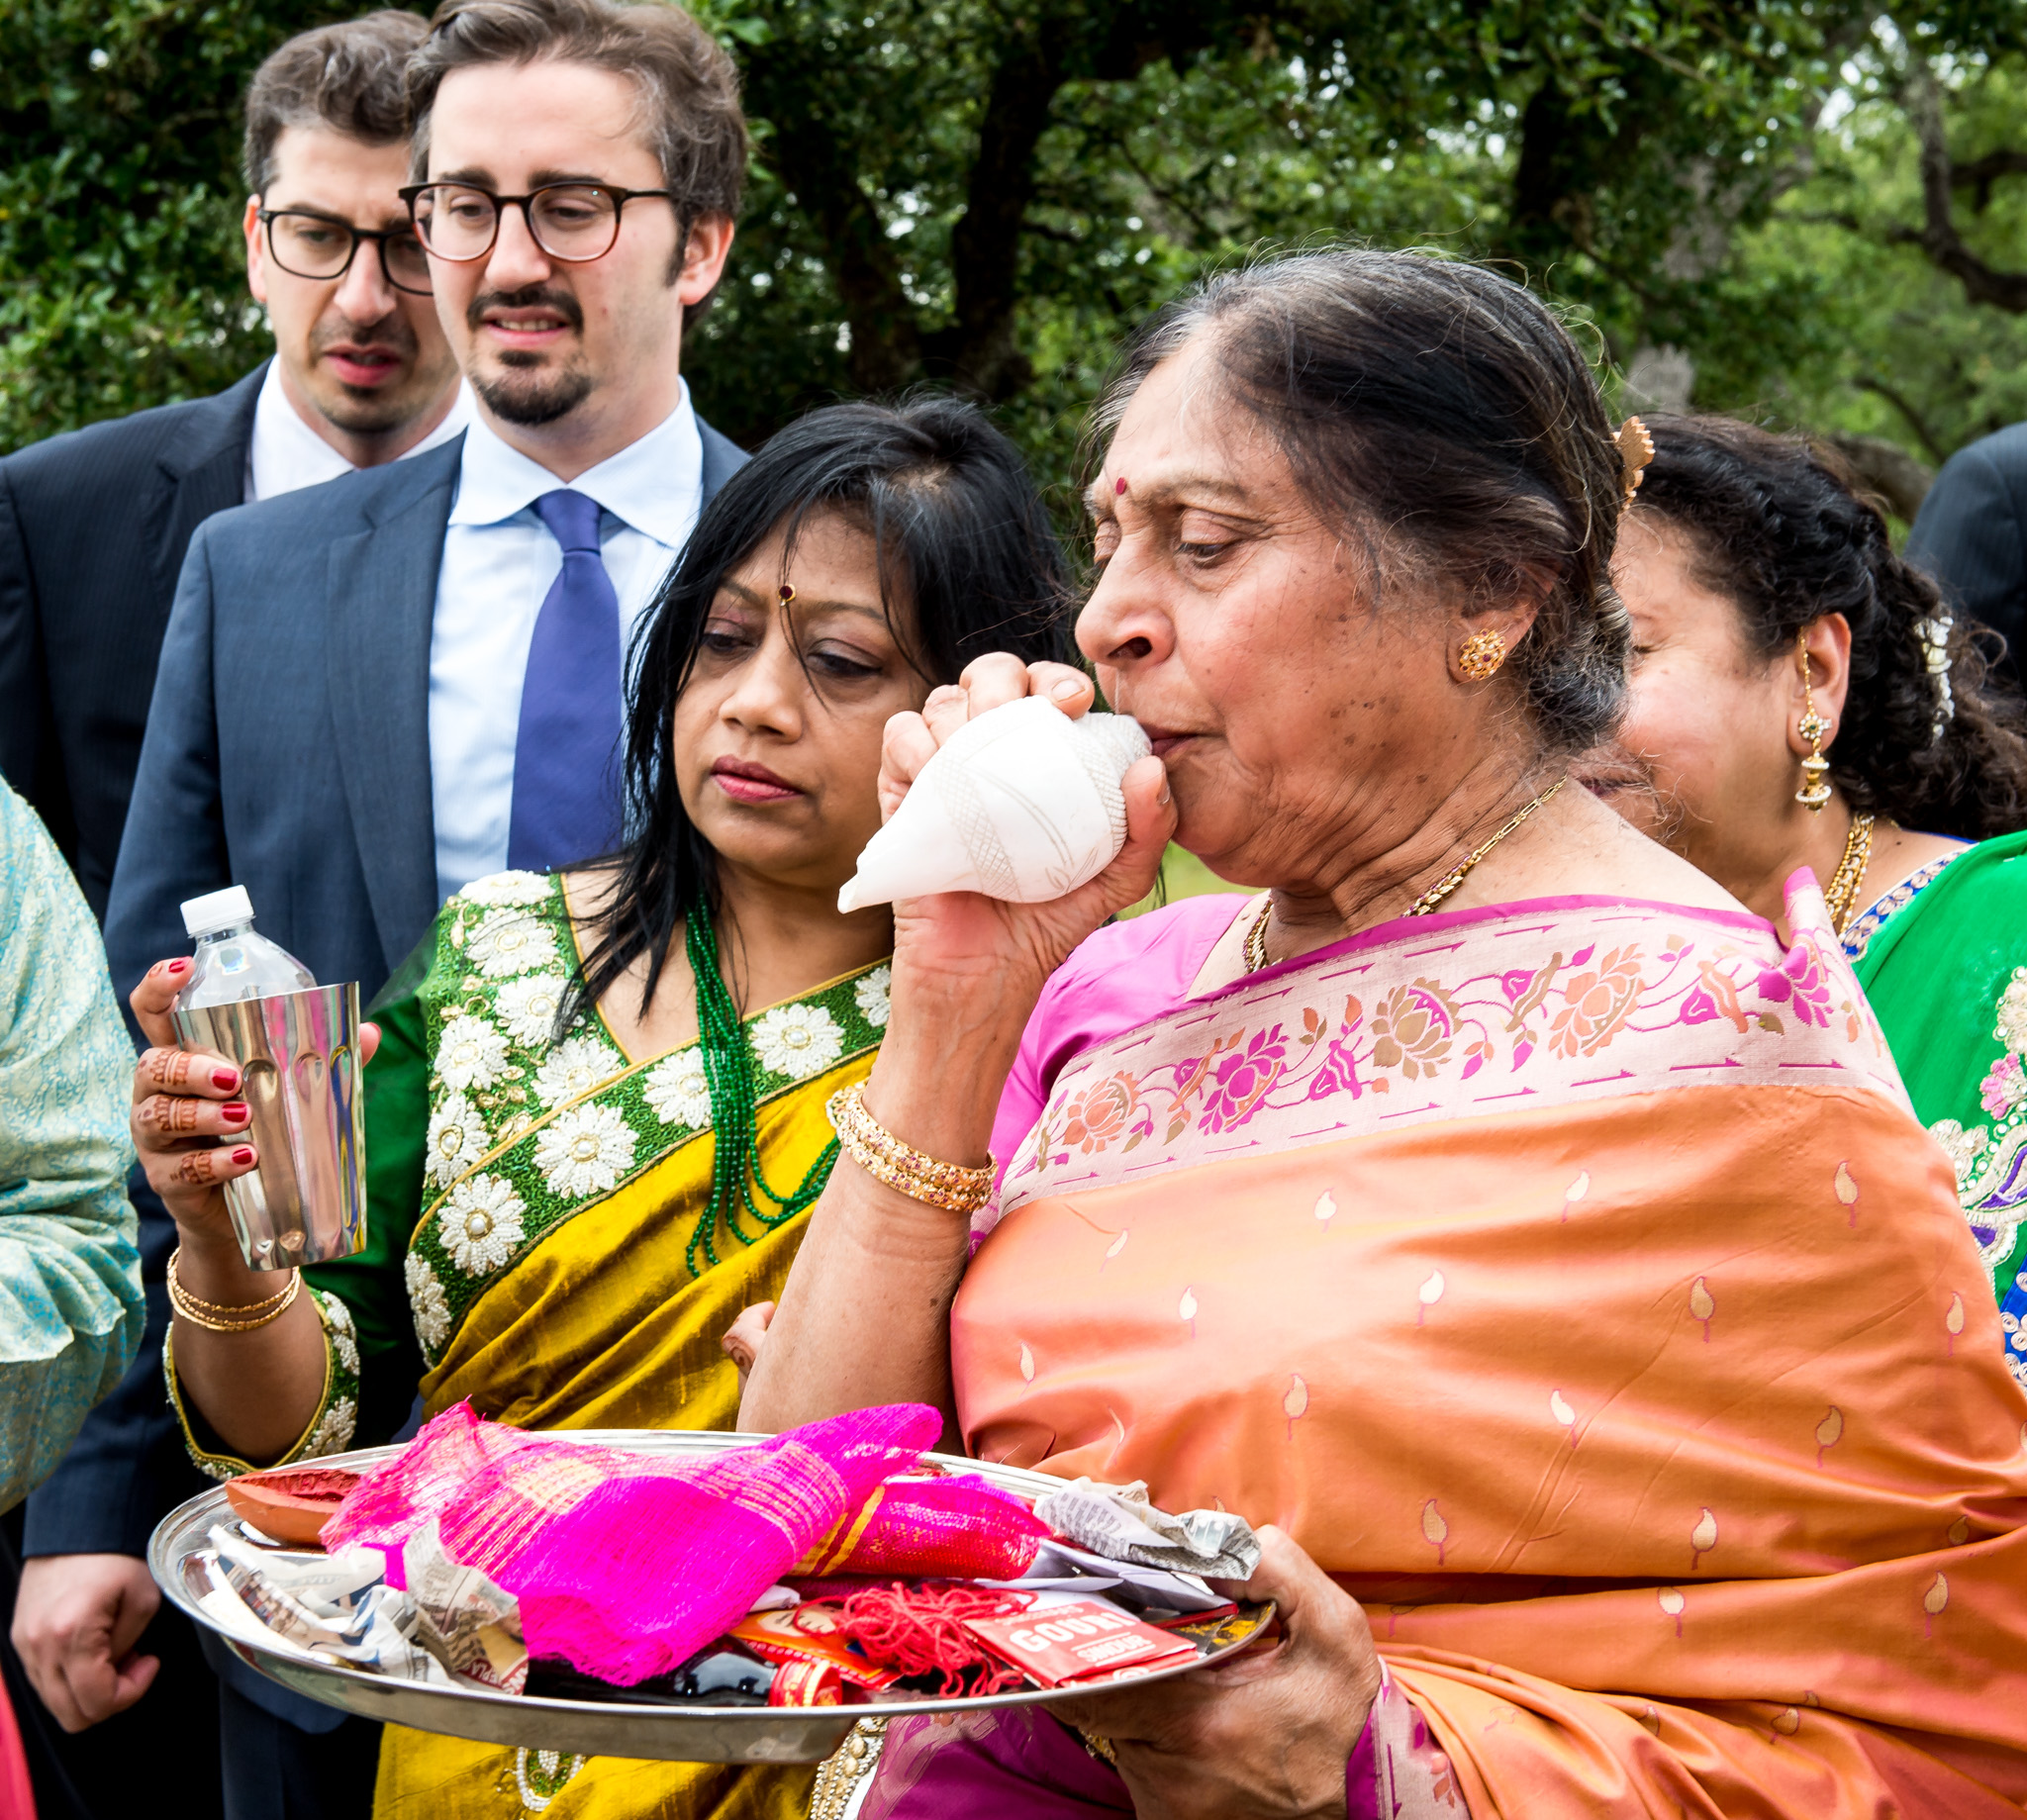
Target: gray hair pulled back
1446	414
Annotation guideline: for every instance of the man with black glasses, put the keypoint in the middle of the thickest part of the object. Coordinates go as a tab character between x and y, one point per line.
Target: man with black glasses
93	530
93	525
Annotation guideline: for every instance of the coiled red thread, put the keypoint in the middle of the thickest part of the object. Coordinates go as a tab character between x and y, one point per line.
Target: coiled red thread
920	1629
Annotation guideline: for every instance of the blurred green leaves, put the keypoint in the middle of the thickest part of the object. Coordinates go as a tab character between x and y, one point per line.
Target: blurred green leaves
990	193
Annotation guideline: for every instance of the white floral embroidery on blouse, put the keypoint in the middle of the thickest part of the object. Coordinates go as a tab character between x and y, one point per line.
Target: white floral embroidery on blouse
334	1434
481	1223
337	1325
874	995
797	1040
456	1139
510	941
677	1090
507	890
473	1053
584	1151
575	1066
426	1298
528	1008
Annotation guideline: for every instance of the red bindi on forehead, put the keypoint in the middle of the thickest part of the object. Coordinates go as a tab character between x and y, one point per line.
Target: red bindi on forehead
1119	485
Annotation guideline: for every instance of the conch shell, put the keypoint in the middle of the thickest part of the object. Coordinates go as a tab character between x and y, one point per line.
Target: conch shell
1021	803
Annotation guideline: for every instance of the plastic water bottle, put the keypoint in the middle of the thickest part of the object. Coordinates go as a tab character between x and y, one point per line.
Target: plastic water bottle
295	1044
233	962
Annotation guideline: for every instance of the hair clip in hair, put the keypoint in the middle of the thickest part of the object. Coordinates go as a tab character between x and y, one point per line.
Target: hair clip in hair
1636	450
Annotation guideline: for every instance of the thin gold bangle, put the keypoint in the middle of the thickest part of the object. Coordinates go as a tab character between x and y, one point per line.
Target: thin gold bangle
229	1310
201	1313
950	1186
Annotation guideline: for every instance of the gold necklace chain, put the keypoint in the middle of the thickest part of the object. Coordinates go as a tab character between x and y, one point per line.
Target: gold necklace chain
1256	936
1840	898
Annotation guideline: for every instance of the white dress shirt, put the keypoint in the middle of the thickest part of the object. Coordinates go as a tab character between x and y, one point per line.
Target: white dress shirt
285	453
499	562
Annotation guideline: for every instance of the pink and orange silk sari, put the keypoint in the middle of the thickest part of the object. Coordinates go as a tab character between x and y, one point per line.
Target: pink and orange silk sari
1572	1280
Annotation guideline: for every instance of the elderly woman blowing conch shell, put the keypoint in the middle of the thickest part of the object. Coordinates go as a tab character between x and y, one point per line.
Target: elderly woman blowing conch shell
1462	1208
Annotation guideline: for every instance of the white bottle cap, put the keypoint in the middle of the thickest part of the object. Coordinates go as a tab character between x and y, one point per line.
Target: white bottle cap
216	909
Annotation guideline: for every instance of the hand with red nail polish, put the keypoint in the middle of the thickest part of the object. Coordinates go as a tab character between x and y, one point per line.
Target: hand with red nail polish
190	1120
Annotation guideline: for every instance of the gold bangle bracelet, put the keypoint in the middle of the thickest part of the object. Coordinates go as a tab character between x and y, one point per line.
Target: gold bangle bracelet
883	1156
225	1310
216	1318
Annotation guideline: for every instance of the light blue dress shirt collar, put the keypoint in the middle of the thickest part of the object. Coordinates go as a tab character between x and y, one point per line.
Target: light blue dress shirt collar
650	485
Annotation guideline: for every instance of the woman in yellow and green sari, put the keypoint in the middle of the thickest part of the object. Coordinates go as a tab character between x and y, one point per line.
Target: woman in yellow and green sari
596	1115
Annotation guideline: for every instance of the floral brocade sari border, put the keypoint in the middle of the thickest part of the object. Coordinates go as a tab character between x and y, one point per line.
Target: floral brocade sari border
1517	1007
526	1132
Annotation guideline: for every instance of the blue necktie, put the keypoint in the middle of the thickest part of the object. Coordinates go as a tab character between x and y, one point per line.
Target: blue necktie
566	755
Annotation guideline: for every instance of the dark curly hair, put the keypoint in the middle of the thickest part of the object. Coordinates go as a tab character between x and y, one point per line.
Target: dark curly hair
1780	529
1444	413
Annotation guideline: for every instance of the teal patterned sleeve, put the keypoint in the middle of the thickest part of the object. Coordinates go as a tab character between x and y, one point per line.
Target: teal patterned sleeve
70	1304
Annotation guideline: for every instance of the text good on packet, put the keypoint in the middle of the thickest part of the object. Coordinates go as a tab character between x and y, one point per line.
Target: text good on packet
1084	1640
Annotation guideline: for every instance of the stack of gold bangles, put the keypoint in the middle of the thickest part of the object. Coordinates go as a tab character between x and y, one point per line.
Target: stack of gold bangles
885	1158
212	1317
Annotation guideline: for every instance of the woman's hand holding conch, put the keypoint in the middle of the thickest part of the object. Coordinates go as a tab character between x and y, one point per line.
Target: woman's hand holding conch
971	941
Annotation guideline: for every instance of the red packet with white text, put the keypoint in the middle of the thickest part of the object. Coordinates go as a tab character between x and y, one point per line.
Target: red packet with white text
807	1633
1080	1640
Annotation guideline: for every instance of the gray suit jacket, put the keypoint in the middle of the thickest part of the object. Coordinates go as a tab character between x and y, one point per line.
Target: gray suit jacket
288	746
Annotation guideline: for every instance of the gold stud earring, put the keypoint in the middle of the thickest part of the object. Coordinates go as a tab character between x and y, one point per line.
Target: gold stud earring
1483	654
1814	791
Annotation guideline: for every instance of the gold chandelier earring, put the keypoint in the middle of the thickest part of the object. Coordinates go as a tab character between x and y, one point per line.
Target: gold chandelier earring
1814	791
1483	654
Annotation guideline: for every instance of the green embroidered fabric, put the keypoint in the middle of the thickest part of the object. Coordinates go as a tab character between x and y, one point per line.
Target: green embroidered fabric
1945	974
331	1430
523	1133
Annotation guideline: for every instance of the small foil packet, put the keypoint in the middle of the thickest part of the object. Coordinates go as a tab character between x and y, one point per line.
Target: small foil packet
1065	1641
468	1624
1121	1524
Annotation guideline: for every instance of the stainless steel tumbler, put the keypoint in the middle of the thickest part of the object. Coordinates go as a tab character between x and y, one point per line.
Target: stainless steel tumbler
298	1059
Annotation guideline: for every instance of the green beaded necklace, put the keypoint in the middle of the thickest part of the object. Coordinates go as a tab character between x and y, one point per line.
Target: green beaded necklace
729	1074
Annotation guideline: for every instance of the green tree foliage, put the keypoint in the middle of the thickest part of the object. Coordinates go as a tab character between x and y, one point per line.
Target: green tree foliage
122	278
987	196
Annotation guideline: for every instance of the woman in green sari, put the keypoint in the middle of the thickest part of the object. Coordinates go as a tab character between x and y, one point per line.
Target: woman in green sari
596	1116
1774	626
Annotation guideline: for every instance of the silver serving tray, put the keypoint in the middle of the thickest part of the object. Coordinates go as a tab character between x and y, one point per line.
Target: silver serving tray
671	1734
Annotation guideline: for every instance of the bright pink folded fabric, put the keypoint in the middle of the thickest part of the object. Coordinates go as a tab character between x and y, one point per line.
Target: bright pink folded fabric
625	1565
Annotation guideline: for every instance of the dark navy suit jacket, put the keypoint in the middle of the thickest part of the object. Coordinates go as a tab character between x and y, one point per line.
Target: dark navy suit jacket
93	528
1970	535
288	751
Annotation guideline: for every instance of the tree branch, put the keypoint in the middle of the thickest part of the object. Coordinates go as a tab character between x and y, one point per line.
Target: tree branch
1913	417
1938	236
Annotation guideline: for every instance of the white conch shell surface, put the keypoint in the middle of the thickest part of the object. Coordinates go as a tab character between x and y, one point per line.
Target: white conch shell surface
1021	803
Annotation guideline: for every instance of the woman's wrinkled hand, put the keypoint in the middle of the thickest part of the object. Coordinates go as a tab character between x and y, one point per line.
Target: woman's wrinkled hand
969	939
190	1123
1266	1737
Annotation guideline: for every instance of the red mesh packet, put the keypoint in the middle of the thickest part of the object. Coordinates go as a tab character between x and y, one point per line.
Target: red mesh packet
1078	1641
958	1527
